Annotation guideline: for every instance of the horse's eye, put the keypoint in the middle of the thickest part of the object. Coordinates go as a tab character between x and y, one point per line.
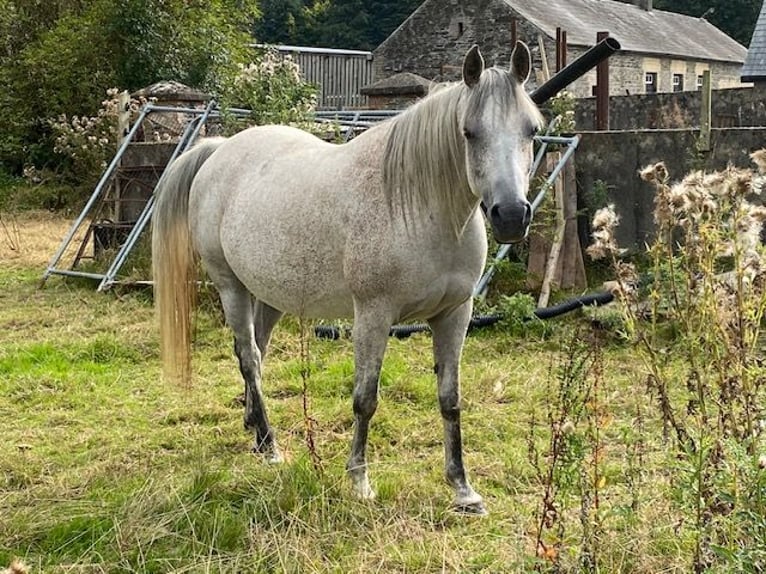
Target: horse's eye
468	134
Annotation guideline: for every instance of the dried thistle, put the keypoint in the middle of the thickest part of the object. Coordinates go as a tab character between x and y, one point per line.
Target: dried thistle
759	159
16	567
605	222
656	173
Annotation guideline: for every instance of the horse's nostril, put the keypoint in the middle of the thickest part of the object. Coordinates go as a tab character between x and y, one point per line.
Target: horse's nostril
494	212
527	214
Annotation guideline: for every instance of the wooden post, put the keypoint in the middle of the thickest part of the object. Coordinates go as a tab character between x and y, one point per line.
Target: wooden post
564	49
706	113
123	116
514	31
544	58
122	129
558	239
552	266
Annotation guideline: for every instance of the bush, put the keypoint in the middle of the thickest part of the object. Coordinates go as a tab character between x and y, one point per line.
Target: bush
272	88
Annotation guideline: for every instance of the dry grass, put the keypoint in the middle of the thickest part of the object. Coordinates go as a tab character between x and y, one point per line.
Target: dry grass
29	239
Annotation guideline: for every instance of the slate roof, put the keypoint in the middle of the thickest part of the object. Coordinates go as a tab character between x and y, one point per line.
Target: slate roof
755	63
638	30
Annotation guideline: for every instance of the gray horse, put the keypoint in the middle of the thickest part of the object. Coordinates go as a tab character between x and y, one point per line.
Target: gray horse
382	229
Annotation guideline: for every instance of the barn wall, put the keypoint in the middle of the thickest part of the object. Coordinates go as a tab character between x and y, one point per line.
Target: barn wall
739	107
613	159
340	76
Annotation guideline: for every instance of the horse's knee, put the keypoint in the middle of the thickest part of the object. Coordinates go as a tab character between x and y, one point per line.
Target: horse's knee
449	404
365	402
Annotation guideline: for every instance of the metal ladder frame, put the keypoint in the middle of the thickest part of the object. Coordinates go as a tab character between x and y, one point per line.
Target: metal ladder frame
199	117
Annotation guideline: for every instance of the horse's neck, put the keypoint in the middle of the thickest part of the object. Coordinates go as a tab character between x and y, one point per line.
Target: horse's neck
424	161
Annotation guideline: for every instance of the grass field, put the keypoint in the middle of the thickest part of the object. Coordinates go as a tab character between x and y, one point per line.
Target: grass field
106	468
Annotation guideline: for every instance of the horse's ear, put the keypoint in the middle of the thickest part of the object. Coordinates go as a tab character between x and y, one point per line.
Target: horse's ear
521	62
473	66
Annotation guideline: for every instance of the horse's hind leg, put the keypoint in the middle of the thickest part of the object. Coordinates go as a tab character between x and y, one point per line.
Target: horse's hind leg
449	330
265	318
239	310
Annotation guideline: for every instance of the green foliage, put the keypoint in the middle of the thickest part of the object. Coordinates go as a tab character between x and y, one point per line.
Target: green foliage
518	311
737	19
350	24
272	88
72	52
561	108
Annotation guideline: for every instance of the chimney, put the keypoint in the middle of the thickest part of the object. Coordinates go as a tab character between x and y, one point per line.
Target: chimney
643	4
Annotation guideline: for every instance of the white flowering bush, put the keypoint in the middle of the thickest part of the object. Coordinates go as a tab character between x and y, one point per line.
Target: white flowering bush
89	142
562	107
273	89
698	326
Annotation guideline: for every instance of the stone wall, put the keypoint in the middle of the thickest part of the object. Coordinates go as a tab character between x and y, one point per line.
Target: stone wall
610	161
434	40
740	107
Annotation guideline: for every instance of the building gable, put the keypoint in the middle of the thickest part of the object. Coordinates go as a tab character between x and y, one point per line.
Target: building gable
755	63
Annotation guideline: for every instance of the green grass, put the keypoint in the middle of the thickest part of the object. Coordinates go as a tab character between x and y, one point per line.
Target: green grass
106	468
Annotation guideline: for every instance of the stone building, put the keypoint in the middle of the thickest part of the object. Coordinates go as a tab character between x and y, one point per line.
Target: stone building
662	51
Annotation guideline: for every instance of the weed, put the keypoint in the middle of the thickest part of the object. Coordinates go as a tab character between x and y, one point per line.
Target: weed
701	345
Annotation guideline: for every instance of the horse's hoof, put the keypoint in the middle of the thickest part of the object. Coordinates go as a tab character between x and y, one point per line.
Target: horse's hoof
472	509
271	454
275	457
363	490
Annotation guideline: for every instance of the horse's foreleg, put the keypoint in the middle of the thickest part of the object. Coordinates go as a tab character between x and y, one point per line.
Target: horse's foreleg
238	309
449	330
370	336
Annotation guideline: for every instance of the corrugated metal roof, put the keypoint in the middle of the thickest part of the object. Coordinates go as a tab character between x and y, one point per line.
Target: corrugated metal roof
638	30
755	63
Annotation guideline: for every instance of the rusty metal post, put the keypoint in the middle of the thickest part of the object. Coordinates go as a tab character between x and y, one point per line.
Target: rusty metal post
558	49
582	65
564	49
602	89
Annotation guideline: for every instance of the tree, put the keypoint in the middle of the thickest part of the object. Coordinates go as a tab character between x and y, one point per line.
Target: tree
735	17
352	24
61	56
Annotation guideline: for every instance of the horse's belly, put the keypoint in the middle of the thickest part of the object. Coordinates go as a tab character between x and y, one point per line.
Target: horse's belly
305	283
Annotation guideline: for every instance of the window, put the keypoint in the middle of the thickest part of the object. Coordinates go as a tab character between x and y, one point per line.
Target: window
678	82
700	80
650	82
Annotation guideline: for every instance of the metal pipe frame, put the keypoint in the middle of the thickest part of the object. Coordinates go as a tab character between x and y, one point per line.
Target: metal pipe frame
187	139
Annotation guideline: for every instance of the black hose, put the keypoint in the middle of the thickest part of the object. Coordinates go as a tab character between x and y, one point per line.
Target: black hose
477	321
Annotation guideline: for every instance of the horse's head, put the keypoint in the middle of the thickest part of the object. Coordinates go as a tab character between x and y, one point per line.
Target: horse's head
499	121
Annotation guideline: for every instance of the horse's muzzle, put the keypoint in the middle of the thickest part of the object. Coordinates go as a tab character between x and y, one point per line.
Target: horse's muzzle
509	221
